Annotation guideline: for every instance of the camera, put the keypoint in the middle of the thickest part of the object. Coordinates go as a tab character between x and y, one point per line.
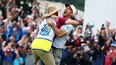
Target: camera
103	27
78	54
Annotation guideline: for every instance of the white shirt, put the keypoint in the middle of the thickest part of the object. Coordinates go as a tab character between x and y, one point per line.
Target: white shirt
46	31
59	42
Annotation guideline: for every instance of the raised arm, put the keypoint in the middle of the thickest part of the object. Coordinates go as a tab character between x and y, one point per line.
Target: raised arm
73	22
66	21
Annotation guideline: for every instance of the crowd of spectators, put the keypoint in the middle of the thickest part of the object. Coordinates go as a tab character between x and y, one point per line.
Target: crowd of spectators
18	28
91	49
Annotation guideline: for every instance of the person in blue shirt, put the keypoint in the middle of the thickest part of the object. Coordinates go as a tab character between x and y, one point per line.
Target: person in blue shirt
8	57
18	60
16	31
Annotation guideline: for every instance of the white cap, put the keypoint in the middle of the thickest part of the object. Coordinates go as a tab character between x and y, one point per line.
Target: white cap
79	26
91	24
80	35
5	20
29	16
96	40
113	44
29	4
73	8
21	2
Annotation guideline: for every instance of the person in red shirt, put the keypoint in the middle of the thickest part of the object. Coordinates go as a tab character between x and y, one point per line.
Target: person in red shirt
111	54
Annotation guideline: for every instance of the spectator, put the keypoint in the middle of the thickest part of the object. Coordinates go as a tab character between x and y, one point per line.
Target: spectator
97	56
8	57
102	37
21	50
29	57
16	31
110	57
18	60
24	41
9	42
77	58
2	8
2	33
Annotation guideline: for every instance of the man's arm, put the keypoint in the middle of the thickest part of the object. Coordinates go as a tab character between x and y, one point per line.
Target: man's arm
73	22
57	31
69	21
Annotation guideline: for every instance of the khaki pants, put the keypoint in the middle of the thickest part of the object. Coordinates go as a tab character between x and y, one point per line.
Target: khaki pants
46	57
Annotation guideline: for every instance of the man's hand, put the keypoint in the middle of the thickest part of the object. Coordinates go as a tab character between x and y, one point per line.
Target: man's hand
75	55
114	30
80	21
50	22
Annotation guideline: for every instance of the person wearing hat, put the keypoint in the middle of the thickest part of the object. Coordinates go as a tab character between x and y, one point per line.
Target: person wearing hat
79	57
41	45
113	55
8	56
62	33
110	58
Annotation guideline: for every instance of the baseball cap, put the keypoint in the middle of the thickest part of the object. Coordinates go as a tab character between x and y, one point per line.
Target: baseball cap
96	40
73	8
113	44
79	48
8	50
21	45
29	16
21	2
